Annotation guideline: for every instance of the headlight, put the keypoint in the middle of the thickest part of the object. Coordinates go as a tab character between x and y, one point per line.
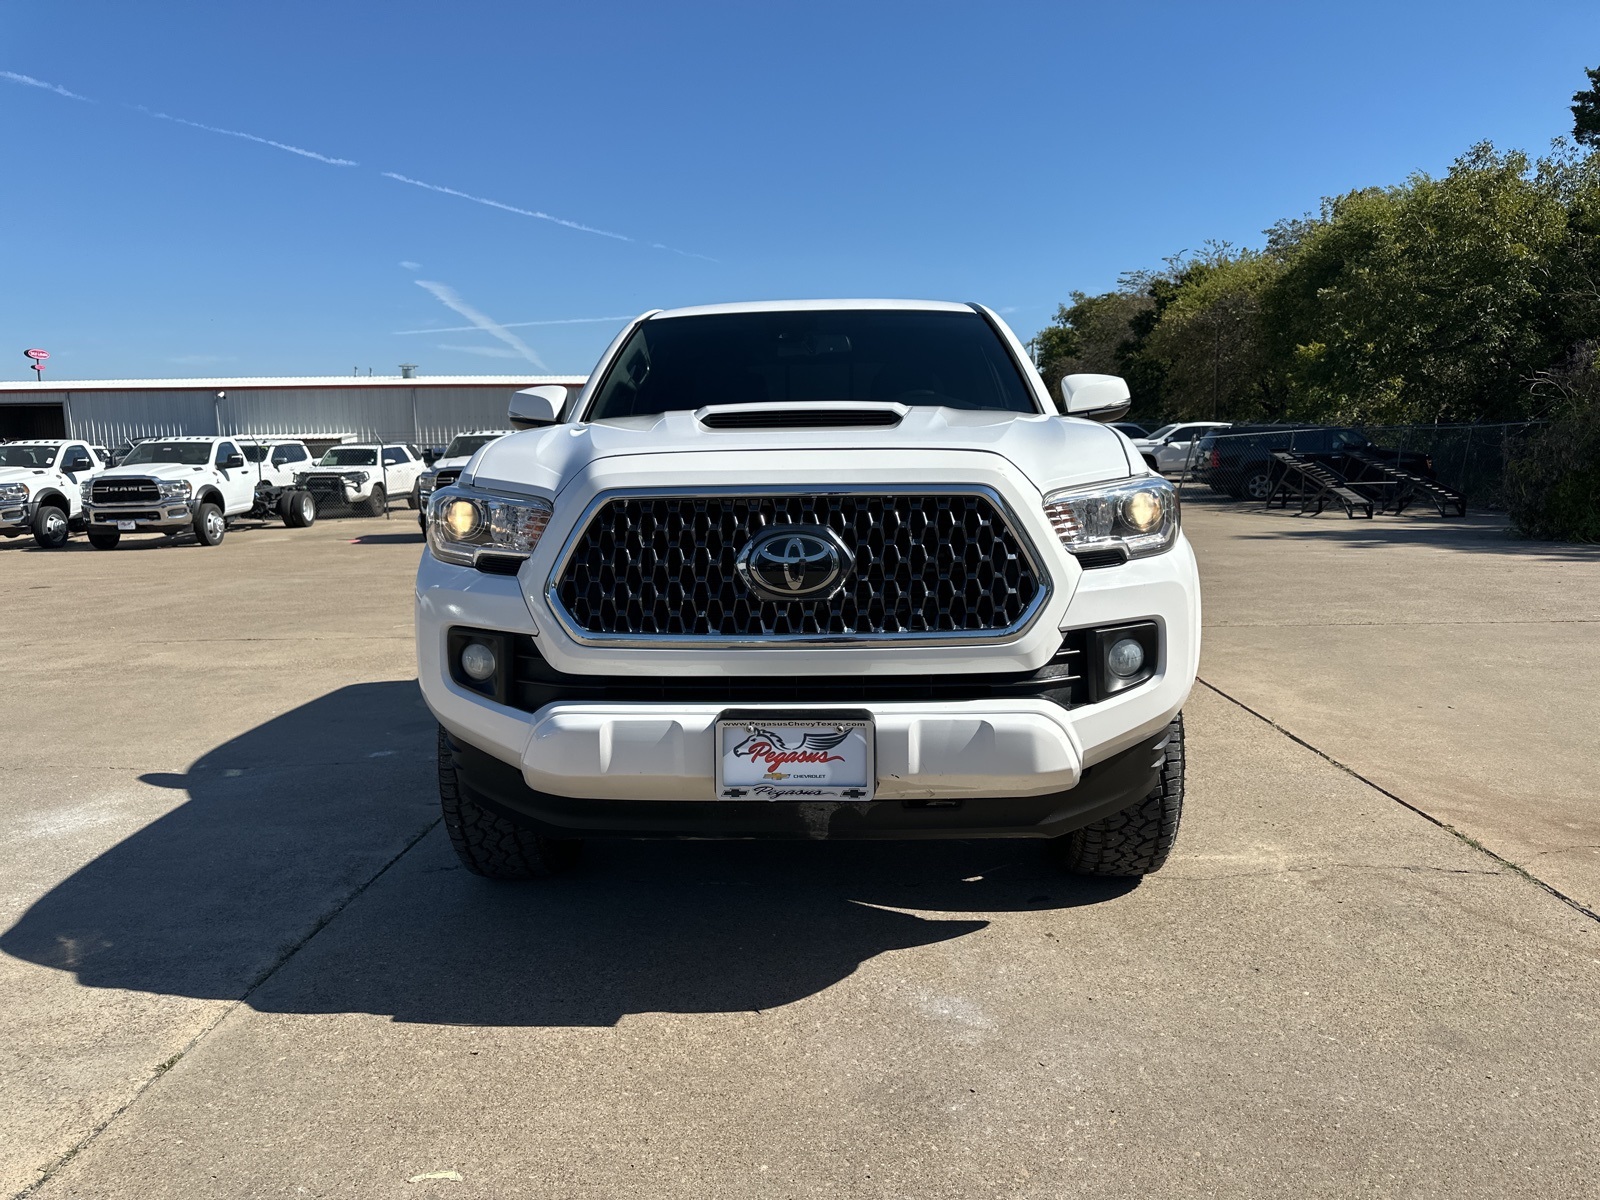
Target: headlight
1136	516
11	493
426	482
84	489
356	477
461	524
174	489
300	478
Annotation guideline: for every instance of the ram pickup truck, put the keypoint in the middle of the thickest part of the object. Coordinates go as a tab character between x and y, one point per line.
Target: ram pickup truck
447	468
41	488
825	569
178	484
363	476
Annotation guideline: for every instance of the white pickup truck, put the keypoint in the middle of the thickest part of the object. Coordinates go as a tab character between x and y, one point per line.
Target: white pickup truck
172	485
363	476
447	468
41	488
823	569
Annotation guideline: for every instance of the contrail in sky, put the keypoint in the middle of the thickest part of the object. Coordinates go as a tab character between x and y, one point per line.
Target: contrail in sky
39	83
515	325
30	81
510	208
250	137
446	296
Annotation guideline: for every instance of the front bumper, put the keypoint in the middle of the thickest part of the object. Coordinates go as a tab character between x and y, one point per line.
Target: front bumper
154	514
16	516
1107	787
1014	767
333	489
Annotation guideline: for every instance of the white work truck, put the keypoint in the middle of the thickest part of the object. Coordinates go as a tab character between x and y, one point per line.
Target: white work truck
179	484
447	468
41	488
363	476
821	569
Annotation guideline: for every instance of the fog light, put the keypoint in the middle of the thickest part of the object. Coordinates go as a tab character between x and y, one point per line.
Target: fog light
477	660
1124	658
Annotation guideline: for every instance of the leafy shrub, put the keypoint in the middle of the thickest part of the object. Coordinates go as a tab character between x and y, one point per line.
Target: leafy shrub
1552	483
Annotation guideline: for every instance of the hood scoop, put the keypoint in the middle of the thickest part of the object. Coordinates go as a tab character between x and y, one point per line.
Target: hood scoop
821	414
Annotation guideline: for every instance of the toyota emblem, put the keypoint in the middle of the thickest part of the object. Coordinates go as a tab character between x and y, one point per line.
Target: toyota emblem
795	562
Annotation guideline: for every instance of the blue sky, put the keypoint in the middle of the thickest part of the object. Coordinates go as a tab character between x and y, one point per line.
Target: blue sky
1006	153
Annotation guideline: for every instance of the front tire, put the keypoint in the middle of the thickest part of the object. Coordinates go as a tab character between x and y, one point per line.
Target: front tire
377	503
104	539
209	525
490	845
50	528
1137	840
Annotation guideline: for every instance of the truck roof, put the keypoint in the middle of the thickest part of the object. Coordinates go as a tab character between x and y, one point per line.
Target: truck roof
766	306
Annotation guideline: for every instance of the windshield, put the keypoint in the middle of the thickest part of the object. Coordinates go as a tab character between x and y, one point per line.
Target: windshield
467	444
188	454
926	359
347	456
27	456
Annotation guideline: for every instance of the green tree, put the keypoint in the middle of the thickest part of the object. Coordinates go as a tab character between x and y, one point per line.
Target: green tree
1586	111
1211	340
1425	302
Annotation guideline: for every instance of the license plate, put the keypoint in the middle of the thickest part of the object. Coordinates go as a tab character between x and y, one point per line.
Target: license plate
820	757
127	526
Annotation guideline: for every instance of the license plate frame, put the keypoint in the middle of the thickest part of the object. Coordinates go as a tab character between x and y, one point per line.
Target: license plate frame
787	733
127	526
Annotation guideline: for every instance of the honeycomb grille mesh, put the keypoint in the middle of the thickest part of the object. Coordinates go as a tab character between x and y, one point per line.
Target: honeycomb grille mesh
925	565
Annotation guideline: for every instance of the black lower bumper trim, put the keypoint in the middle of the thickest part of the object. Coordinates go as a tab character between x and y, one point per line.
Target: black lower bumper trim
1104	788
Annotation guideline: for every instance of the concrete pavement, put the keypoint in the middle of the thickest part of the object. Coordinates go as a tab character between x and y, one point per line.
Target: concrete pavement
239	958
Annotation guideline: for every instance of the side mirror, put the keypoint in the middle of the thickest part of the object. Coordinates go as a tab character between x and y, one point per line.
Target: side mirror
534	406
1096	397
233	460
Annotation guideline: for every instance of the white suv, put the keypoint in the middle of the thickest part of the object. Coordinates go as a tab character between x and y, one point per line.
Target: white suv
825	569
363	476
41	488
1175	449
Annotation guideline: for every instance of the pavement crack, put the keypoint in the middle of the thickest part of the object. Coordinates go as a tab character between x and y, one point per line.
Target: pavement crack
251	988
1569	901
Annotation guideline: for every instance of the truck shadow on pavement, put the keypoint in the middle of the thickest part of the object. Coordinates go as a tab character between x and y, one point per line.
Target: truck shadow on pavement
297	828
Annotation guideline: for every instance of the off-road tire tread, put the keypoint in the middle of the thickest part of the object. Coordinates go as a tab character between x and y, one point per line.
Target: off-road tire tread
1137	840
377	501
491	845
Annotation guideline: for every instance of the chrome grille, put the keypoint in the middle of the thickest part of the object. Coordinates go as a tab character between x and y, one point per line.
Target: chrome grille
124	491
927	566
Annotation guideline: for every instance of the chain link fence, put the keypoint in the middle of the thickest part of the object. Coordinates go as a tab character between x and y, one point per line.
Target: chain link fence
1469	459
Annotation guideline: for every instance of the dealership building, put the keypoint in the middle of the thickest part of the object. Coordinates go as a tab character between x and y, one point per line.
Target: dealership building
320	410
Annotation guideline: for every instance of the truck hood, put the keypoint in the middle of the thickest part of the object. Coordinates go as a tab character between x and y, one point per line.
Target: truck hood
450	464
153	471
1053	452
22	474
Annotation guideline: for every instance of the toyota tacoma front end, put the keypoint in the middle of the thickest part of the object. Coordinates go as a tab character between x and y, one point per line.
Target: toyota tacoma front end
817	570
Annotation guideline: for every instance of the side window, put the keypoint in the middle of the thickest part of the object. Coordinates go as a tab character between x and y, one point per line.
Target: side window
393	456
225	450
77	459
297	454
284	455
